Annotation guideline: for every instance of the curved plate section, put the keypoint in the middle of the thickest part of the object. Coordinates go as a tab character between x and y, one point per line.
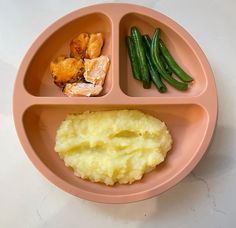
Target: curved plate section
183	53
187	123
38	81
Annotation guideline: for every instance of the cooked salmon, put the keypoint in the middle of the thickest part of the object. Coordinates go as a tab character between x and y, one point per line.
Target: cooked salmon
66	70
86	46
96	69
94	45
81	89
78	46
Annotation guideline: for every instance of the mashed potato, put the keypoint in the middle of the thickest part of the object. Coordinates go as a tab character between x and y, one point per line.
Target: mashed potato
112	146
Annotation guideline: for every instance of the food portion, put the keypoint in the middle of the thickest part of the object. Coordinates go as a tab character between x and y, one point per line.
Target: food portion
84	72
151	61
66	70
78	46
155	55
110	147
155	76
86	46
142	62
81	89
94	45
95	69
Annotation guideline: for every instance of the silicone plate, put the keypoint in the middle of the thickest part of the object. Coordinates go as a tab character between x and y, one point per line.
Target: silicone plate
39	106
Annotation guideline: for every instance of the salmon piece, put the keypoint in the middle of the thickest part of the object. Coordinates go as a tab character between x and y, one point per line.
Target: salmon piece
78	46
81	89
94	45
66	70
96	69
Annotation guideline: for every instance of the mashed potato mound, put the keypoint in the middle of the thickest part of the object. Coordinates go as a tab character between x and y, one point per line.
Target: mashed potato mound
112	146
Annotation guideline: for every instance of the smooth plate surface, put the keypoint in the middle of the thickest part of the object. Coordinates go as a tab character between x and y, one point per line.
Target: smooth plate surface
190	116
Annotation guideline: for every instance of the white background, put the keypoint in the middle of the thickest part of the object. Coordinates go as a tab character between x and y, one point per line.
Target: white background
206	198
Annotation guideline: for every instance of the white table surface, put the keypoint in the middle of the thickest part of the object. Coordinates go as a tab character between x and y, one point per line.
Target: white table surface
206	198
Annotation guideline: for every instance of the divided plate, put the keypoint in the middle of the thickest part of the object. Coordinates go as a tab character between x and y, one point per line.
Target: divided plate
39	106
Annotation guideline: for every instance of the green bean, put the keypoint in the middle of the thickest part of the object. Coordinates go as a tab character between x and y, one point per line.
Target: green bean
155	76
133	59
148	42
137	38
173	65
165	64
155	55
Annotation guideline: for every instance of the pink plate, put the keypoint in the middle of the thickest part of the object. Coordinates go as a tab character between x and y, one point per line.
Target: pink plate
39	106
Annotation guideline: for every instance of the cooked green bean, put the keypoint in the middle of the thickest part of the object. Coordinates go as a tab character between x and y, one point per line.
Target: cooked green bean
155	55
148	42
138	43
165	64
133	59
173	65
155	76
